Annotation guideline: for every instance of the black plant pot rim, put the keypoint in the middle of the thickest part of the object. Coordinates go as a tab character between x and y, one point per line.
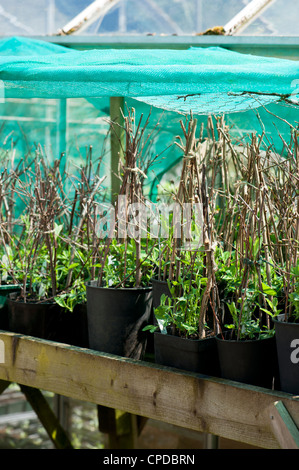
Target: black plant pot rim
93	285
239	341
160	281
32	302
182	338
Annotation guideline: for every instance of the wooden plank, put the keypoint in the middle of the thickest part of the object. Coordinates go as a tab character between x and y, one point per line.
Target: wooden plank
206	404
47	418
284	427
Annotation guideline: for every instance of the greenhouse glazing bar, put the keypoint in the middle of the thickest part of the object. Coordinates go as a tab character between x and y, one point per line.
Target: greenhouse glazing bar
283	47
247	15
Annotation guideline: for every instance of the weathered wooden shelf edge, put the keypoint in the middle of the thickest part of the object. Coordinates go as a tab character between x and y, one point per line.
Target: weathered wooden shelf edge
208	404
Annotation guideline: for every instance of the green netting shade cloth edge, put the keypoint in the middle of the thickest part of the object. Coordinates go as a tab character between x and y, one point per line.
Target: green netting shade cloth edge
202	80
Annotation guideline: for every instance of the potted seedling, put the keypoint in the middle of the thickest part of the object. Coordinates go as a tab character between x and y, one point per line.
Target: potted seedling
43	257
8	213
246	345
287	339
34	256
119	300
178	342
286	197
187	314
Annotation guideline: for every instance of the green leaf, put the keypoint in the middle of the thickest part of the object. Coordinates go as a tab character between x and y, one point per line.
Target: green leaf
230	327
73	265
267	289
256	247
272	314
151	328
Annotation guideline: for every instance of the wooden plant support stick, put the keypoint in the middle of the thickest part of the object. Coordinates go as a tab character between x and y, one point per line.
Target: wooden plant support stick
210	263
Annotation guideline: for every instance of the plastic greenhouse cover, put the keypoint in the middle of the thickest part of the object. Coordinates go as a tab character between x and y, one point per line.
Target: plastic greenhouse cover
37	17
145	17
164	16
201	80
193	17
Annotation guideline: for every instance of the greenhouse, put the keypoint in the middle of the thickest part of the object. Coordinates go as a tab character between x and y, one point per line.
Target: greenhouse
149	191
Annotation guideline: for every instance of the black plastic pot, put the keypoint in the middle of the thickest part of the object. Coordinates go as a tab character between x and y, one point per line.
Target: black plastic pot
187	354
287	344
159	288
5	291
252	362
47	320
38	319
116	318
73	327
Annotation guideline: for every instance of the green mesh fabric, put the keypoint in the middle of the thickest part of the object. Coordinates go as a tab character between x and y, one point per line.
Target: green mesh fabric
205	81
218	79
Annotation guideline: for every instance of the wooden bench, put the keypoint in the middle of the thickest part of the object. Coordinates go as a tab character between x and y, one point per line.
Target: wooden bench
252	415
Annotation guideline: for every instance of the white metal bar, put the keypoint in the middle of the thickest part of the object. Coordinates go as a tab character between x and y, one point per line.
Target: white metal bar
88	16
246	16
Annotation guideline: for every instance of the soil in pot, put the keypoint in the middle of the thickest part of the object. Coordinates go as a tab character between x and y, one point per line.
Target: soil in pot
253	362
116	317
193	355
287	344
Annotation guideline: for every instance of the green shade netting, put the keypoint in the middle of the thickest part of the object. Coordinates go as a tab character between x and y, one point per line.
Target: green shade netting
204	80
